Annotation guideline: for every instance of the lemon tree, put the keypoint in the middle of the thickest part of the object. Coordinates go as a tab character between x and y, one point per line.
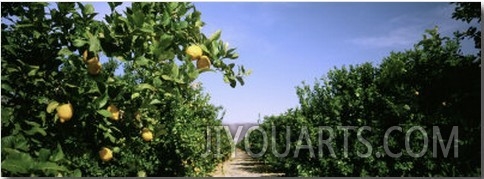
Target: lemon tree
65	113
431	85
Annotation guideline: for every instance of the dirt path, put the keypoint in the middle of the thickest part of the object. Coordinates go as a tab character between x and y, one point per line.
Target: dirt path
242	165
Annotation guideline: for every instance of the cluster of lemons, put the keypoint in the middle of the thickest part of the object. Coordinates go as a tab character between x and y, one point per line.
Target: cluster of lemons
196	53
65	111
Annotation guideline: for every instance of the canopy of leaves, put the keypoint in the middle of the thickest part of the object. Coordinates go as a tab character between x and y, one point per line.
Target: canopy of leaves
468	12
430	85
45	53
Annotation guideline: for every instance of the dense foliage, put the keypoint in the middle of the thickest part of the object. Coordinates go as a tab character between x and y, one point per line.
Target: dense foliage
469	12
433	84
150	121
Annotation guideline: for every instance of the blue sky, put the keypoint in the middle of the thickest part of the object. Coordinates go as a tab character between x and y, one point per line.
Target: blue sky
285	43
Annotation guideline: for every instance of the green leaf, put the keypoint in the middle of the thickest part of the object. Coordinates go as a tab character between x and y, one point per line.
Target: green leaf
157	82
200	71
22	145
167	95
143	86
141	173
142	61
240	79
215	50
52	106
230	51
32	123
104	113
70	85
15	166
204	48
33	72
232	65
179	81
166	77
234	56
88	9
8	141
138	18
101	101
248	72
226	79
174	70
110	137
215	36
193	74
6	87
44	154
183	25
155	101
233	83
94	44
36	130
24	25
43	166
406	107
9	151
65	52
77	173
165	41
147	29
79	43
135	95
162	132
124	19
58	154
17	163
113	5
165	18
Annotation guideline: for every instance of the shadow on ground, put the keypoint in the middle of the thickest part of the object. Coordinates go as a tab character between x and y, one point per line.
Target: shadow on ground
254	166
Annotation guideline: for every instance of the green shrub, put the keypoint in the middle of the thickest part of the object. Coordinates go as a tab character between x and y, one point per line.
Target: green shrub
433	84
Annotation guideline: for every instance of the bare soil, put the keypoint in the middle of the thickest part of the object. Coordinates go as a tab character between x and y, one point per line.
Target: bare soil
242	165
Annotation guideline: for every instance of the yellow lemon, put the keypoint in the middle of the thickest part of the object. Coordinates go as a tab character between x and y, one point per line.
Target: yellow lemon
84	56
137	115
147	135
203	63
194	51
105	154
89	57
94	67
114	112
64	112
92	60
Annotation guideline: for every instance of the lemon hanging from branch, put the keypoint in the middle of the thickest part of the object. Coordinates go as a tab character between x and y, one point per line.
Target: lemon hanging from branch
105	154
194	51
94	68
114	112
203	63
147	135
65	112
